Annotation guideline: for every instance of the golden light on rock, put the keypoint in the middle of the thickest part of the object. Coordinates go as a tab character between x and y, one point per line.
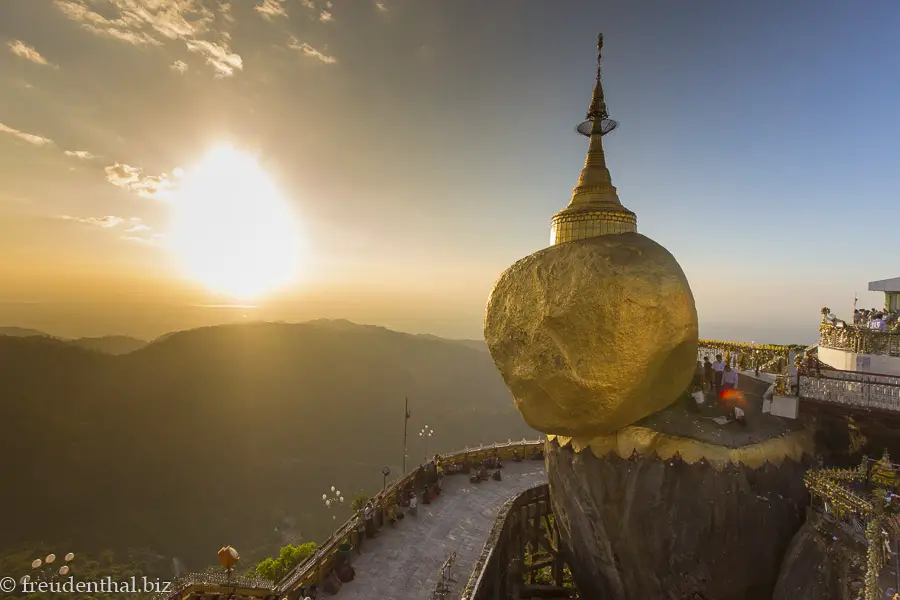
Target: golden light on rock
599	330
593	335
646	442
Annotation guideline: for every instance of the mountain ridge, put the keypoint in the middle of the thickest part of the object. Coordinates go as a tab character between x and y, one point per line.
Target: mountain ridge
220	433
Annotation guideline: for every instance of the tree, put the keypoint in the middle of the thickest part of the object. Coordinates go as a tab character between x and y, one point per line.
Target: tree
274	569
359	501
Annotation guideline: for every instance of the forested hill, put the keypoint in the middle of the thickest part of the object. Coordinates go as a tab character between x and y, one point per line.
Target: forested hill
225	434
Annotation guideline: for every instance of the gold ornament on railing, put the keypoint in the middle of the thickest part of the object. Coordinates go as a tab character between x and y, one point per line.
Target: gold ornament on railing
883	472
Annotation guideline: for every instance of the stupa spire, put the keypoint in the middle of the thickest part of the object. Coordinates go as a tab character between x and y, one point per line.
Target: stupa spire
595	208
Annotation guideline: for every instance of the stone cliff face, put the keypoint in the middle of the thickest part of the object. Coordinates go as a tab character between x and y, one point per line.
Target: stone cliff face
650	528
821	562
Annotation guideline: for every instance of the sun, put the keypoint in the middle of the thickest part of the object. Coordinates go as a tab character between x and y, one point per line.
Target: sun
232	230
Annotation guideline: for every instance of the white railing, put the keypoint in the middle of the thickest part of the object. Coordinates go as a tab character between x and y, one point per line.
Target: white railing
851	389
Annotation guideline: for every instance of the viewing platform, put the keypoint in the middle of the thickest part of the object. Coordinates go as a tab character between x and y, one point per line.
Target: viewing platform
404	562
858	348
420	557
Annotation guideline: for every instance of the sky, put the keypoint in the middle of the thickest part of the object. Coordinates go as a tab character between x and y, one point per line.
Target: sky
422	147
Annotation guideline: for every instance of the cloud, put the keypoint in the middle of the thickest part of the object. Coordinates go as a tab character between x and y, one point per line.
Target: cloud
219	57
179	66
106	222
31	138
132	179
153	240
82	154
23	50
271	8
381	6
155	22
137	228
294	44
325	16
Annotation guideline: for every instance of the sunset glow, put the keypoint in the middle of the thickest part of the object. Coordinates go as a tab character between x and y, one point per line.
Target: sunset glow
232	229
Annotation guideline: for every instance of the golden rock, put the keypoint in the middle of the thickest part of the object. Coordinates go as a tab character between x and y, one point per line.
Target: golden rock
594	334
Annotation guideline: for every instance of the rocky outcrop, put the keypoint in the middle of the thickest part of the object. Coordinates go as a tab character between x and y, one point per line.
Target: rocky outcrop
821	562
645	527
593	335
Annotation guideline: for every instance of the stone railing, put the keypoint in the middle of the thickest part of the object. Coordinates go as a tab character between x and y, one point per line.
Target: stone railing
851	389
491	567
218	583
317	567
860	340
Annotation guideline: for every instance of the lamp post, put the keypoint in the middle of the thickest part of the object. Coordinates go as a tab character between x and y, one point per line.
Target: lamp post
46	569
228	558
385	471
333	500
426	433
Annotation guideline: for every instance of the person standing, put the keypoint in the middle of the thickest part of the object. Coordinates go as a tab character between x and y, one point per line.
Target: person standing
707	375
878	324
718	368
729	379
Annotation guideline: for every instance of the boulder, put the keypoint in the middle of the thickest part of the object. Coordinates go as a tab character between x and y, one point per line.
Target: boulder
593	335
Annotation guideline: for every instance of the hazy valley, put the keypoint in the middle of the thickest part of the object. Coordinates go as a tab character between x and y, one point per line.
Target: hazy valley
225	435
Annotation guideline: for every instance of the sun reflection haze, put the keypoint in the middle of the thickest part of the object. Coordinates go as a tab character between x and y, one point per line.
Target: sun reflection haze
232	230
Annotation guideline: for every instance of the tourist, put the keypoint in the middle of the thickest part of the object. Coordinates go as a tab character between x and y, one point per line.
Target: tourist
369	516
878	324
729	379
707	375
413	505
698	376
718	368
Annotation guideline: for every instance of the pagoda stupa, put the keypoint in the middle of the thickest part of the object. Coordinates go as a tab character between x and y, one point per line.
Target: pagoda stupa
596	338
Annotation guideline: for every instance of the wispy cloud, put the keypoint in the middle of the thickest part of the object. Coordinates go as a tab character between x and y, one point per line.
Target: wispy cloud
381	6
107	222
306	49
151	240
271	8
23	50
82	154
31	138
325	16
154	22
179	66
219	57
133	179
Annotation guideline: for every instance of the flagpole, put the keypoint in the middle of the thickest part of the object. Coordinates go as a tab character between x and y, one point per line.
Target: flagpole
405	423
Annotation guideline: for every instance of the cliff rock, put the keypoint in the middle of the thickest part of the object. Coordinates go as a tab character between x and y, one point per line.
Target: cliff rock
821	562
644	527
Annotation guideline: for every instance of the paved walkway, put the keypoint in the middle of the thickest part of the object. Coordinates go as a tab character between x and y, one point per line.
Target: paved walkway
402	563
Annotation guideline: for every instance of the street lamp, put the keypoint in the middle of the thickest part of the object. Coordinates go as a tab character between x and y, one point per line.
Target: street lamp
333	500
426	433
385	471
46	570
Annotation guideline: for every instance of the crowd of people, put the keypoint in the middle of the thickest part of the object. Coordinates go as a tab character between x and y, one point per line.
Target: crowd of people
721	379
877	320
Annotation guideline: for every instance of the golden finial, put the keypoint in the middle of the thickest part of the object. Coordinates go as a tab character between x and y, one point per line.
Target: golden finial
595	208
597	109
